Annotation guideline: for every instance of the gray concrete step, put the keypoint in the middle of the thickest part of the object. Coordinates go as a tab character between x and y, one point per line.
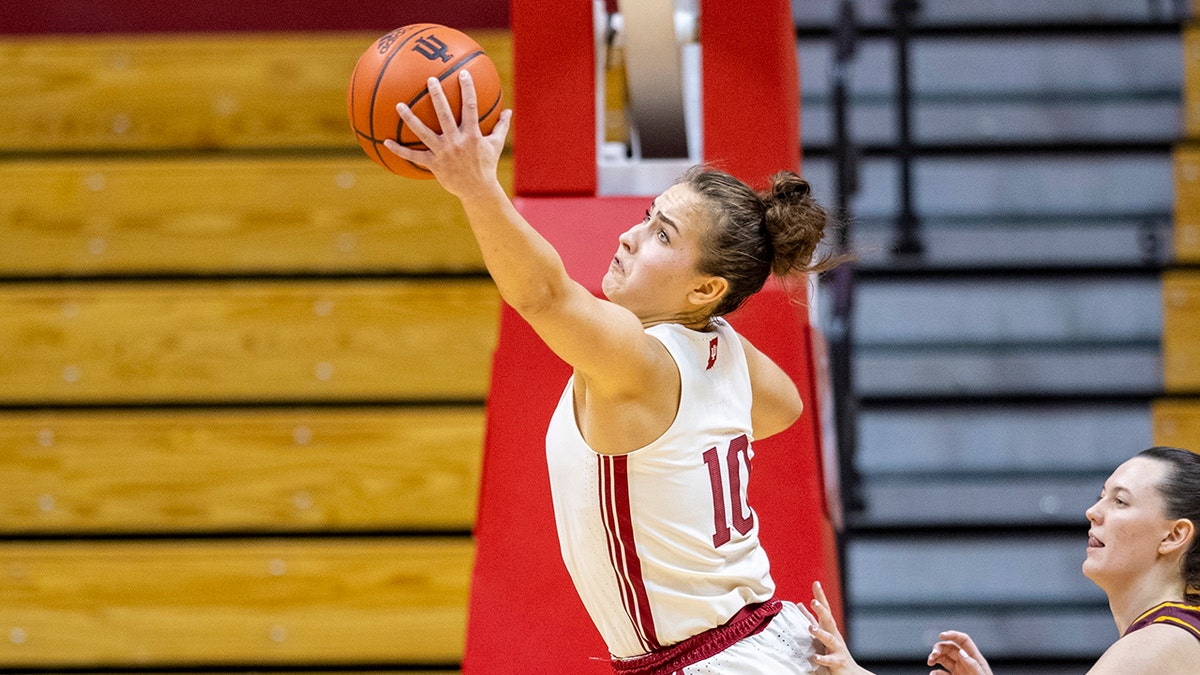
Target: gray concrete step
1001	438
1007	591
978	500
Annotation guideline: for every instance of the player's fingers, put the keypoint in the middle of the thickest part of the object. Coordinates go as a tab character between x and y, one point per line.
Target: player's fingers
958	637
470	104
964	642
807	614
414	124
421	157
934	655
441	106
819	591
820	606
966	659
944	648
832	642
832	661
500	131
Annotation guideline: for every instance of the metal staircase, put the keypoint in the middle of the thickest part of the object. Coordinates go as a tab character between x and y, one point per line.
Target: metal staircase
1010	206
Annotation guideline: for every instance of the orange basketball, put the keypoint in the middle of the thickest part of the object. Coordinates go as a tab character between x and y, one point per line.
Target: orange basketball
396	68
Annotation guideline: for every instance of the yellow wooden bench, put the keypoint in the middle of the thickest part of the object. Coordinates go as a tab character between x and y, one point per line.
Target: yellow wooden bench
228	215
187	91
1187	204
199	466
1181	326
133	472
1177	423
326	601
247	341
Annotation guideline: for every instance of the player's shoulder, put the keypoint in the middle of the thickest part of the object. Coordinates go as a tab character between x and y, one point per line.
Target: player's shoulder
1158	649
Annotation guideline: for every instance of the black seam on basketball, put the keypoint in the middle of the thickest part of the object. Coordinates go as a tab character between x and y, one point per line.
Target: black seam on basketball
445	74
414	144
418	167
379	79
492	108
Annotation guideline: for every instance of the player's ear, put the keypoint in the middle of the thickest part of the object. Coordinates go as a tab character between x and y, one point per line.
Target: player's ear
708	291
1179	537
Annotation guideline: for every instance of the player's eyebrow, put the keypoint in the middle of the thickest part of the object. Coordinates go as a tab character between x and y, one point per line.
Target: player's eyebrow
668	221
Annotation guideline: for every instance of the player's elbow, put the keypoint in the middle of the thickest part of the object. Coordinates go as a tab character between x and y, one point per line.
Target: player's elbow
791	409
533	298
778	416
796	409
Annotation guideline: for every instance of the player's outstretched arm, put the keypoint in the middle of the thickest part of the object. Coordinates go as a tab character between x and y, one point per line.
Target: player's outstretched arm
584	331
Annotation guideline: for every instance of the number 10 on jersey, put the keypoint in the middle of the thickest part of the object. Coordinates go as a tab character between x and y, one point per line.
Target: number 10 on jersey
725	475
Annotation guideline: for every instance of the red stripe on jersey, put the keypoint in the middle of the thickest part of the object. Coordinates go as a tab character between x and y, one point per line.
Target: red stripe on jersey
624	550
607	502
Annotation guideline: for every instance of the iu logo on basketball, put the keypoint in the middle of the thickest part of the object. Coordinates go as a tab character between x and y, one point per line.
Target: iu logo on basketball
432	48
712	354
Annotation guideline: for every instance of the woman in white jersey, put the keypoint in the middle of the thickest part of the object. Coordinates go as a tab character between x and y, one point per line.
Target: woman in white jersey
655	425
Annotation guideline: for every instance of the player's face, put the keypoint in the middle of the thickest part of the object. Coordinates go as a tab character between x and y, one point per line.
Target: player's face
654	267
1127	524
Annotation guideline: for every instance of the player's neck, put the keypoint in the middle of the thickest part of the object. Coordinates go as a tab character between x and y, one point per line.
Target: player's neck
1134	599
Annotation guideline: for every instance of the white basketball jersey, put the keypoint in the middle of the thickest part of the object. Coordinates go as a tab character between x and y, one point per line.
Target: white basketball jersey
660	542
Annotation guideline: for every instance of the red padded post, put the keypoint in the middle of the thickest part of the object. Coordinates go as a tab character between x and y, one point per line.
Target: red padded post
751	87
554	114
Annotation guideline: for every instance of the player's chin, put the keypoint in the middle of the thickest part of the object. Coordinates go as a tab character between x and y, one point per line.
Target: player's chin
609	287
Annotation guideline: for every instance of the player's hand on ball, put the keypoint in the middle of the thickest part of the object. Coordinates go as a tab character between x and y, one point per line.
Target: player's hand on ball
462	158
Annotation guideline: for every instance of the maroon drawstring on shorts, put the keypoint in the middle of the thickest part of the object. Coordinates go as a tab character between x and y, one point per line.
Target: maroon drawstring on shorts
750	620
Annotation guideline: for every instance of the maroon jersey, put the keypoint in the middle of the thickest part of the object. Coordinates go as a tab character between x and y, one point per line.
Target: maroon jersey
1178	614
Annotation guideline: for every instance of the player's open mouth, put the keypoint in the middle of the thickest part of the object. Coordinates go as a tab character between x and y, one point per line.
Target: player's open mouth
1093	542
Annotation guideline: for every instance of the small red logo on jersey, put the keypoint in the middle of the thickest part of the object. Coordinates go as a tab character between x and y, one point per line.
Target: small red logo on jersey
712	353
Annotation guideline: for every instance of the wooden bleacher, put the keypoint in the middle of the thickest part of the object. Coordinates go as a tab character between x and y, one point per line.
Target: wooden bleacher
1177	416
187	92
1181	326
254	602
241	407
240	470
1177	423
1187	201
247	341
192	214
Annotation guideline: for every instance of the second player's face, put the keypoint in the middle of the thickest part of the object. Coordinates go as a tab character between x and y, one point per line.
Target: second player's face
654	267
1127	524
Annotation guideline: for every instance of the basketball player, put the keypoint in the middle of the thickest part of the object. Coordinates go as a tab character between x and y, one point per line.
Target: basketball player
650	446
1142	551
